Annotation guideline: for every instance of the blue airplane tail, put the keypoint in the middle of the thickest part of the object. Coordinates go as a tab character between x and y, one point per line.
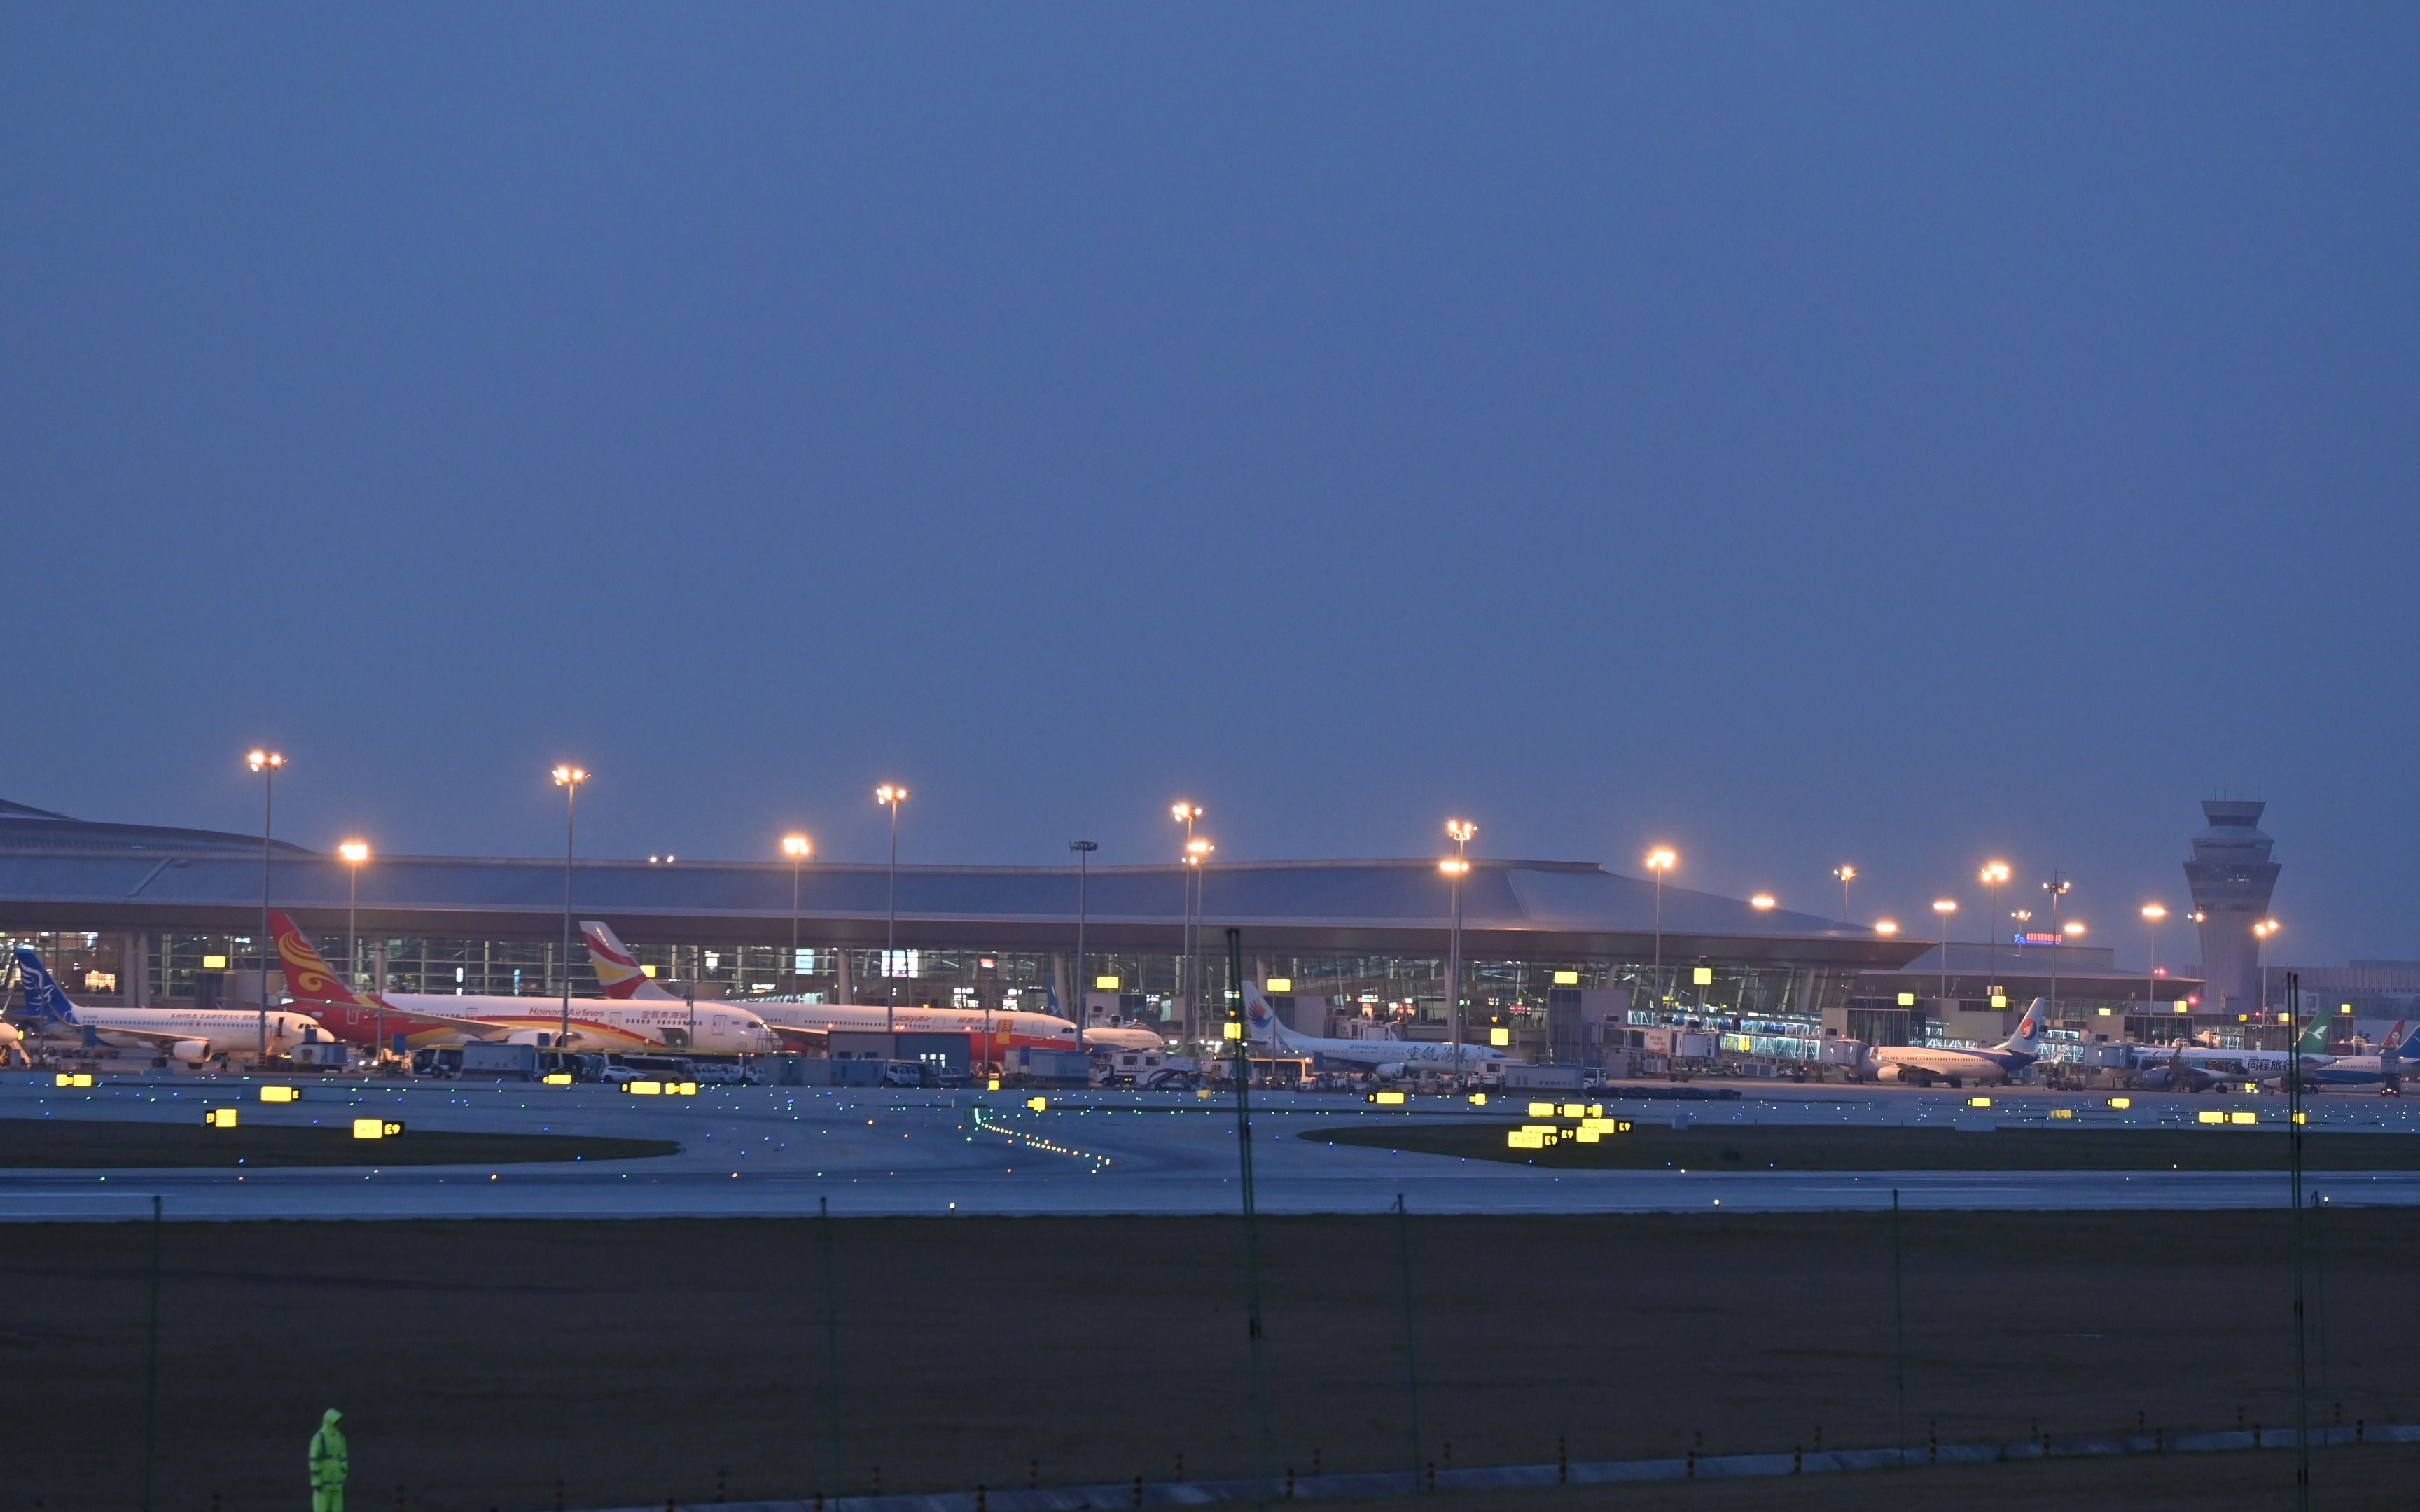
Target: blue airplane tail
45	997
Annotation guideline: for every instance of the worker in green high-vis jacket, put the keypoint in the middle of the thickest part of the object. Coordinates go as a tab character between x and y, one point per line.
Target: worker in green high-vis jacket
330	1464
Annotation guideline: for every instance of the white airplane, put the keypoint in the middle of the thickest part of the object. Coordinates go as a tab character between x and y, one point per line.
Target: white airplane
2382	1069
192	1035
2191	1068
617	967
434	1018
1920	1065
1389	1058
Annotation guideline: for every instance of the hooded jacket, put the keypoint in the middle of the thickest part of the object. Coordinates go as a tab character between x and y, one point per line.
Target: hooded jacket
329	1460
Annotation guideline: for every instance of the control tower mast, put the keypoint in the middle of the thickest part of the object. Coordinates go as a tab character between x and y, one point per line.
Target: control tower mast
2231	877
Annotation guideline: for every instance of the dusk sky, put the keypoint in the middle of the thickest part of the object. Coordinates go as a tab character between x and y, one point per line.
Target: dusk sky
1900	434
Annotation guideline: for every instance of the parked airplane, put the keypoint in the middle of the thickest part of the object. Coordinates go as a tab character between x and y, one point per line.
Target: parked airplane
1121	1037
1389	1058
2382	1069
192	1035
617	967
2192	1068
433	1018
1919	1065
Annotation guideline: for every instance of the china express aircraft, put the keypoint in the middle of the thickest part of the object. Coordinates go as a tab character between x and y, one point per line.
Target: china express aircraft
433	1018
192	1035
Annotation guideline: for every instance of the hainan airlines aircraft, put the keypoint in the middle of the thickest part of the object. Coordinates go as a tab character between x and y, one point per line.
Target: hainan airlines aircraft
1389	1058
617	967
433	1018
192	1035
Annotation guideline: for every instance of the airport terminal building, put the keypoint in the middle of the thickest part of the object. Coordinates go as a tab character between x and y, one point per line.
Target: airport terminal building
1554	952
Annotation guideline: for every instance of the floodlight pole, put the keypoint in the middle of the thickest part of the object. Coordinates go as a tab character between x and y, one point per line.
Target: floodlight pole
2294	1147
1083	848
1241	1040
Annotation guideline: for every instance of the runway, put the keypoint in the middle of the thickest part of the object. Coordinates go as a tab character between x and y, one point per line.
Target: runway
783	1152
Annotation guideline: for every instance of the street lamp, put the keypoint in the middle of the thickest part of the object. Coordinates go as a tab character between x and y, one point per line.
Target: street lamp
1945	908
1993	875
1455	868
798	848
1885	926
355	852
1184	813
2260	934
2057	887
1659	861
1197	858
1083	848
568	779
1847	875
2153	914
890	797
1763	902
267	763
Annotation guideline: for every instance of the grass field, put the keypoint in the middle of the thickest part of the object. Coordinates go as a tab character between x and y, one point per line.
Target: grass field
79	1143
1769	1147
479	1361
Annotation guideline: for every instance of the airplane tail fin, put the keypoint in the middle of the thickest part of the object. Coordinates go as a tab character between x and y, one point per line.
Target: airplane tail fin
2397	1043
2315	1038
2027	1041
617	967
45	997
354	1017
1261	1020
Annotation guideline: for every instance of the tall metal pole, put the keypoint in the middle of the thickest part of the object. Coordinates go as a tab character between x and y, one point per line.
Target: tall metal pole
267	766
2057	886
1659	938
892	797
1899	1329
2294	1144
151	1362
1242	1041
568	779
796	861
1453	968
832	1349
352	934
1083	848
891	935
1411	1357
570	829
1460	831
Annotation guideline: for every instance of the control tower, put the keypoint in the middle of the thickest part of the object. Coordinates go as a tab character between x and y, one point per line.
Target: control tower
2231	877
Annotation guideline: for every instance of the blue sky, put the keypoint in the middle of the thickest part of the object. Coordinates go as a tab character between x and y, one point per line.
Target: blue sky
1892	434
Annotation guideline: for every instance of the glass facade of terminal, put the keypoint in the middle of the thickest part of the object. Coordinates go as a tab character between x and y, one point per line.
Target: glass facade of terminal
1404	994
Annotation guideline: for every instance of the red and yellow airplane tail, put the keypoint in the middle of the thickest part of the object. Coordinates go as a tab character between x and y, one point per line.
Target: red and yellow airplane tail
353	1016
